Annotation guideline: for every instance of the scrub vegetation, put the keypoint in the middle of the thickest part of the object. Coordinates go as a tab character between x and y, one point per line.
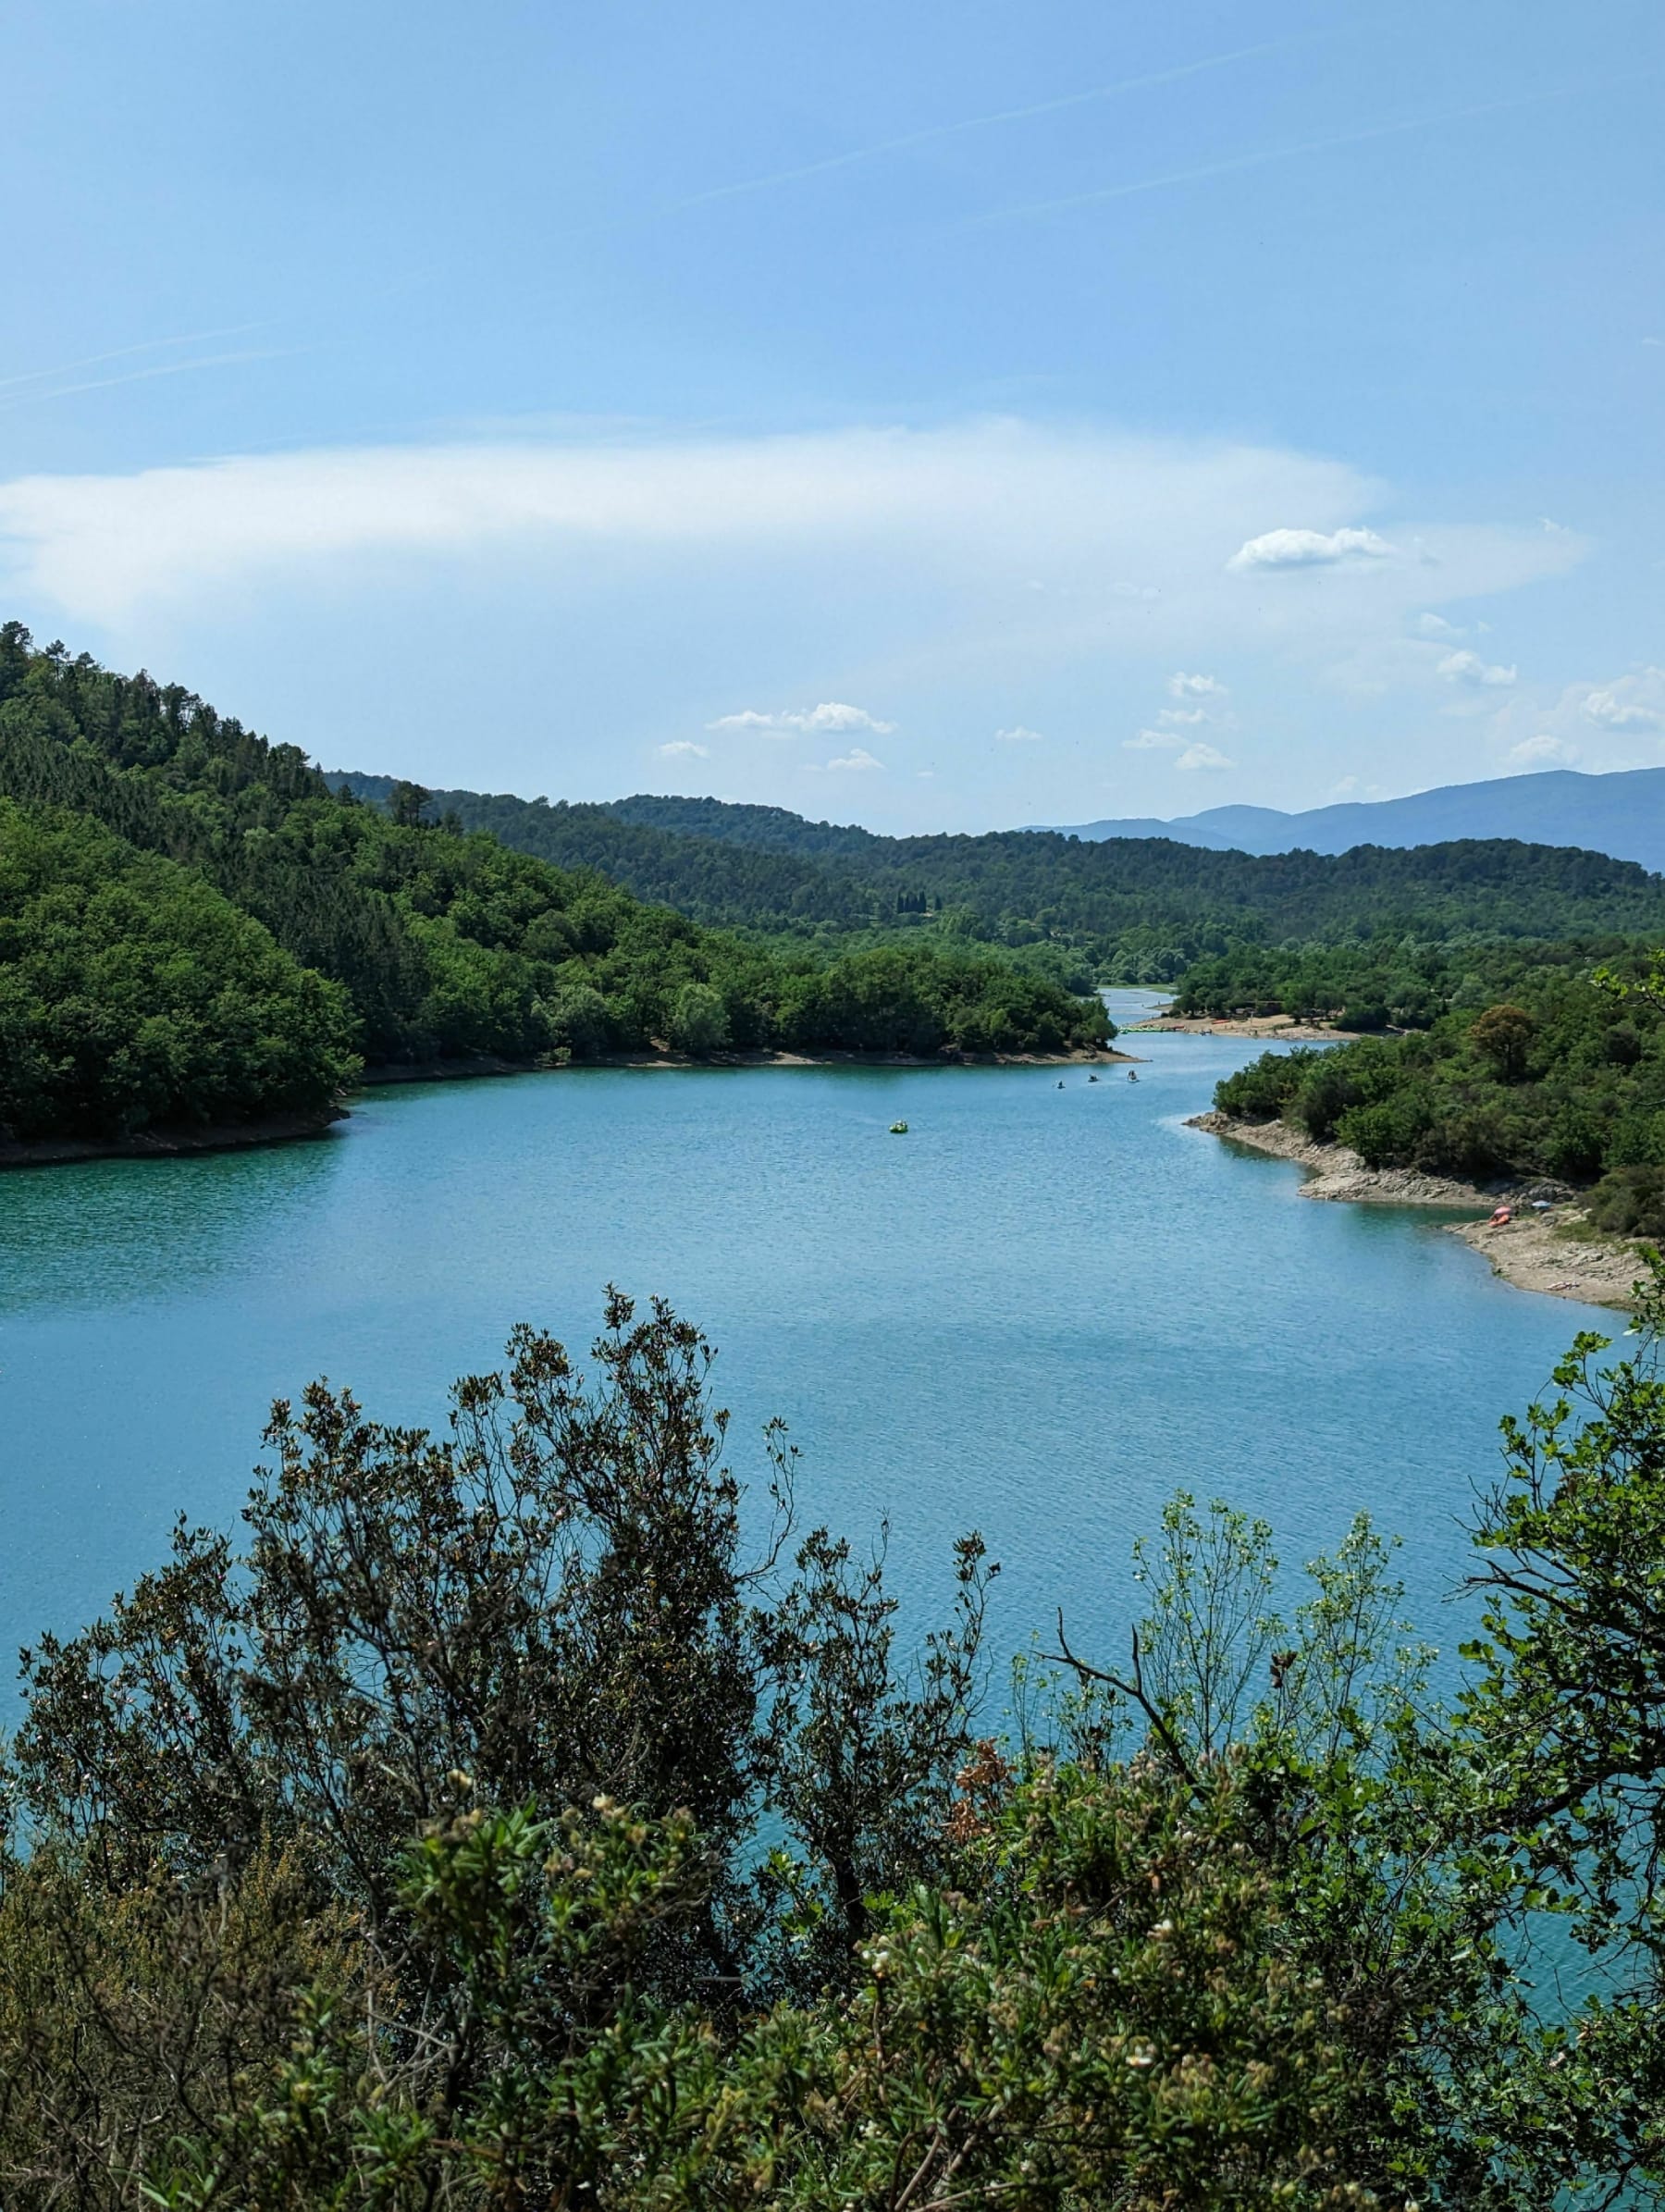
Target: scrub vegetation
524	1816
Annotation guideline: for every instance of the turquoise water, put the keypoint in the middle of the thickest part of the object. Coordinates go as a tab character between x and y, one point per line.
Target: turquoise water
1037	1315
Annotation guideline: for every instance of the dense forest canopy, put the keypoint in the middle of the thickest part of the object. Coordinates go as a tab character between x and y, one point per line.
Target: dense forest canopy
133	995
515	1817
1143	909
446	946
1382	982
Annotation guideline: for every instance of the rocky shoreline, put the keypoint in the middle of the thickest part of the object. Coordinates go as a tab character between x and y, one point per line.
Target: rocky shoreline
1547	1247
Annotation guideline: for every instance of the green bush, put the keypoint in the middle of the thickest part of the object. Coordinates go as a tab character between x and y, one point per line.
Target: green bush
1630	1202
493	1827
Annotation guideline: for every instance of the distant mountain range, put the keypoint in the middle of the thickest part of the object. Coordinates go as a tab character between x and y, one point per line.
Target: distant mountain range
1621	814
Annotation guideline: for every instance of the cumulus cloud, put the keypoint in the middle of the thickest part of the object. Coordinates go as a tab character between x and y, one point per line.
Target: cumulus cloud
1613	710
684	748
858	759
1435	625
1202	756
1019	735
1608	724
1468	668
1309	548
1180	685
1152	741
793	722
1183	714
747	719
1544	751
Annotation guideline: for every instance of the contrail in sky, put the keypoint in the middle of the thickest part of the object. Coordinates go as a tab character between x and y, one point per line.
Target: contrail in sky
1004	115
165	368
151	345
1272	154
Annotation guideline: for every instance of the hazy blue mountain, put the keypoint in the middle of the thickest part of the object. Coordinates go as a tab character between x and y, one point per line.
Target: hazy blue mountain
1623	814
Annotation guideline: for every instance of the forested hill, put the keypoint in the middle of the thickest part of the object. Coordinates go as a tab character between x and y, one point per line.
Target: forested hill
1146	908
260	929
723	882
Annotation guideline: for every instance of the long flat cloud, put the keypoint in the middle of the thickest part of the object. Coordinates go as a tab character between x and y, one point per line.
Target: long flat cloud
1073	510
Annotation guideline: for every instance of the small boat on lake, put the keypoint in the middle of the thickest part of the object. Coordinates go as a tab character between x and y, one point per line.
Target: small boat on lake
898	1128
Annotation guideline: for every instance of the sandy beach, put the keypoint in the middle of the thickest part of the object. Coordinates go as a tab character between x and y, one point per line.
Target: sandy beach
1278	1029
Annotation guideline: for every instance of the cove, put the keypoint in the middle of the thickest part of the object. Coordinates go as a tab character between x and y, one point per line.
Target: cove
1037	1314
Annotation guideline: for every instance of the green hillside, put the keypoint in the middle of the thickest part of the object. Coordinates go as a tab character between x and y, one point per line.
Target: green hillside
1142	909
443	946
133	995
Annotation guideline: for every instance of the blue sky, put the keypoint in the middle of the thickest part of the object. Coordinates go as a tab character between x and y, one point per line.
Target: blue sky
935	416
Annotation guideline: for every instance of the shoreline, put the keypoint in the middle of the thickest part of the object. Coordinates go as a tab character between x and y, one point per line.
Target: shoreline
288	1128
1533	1252
172	1143
1275	1028
439	1071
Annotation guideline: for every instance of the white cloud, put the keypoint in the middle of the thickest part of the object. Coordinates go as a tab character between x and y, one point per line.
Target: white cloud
1435	625
832	716
1539	752
1468	668
1179	715
660	566
1603	725
1309	548
792	722
858	757
684	748
1056	505
1180	685
747	719
1614	711
1152	741
1202	756
1019	735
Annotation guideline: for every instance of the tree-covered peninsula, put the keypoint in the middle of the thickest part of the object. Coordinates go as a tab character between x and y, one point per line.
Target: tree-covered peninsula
329	929
1547	1062
522	1817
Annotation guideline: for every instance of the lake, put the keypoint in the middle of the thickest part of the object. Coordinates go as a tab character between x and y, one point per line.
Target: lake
1037	1314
